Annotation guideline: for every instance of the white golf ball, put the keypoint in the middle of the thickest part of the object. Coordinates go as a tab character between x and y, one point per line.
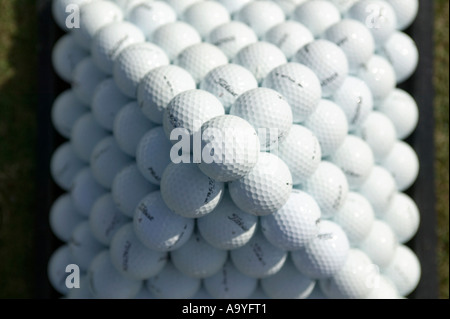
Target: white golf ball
329	124
197	258
159	86
405	11
158	227
66	55
204	16
290	36
180	5
134	62
129	127
188	192
384	289
301	152
258	258
231	37
66	110
298	85
129	188
227	227
56	268
170	283
260	58
293	225
379	189
230	283
64	217
106	219
86	78
265	189
110	40
131	258
355	99
343	5
325	254
234	145
64	165
356	217
83	292
317	293
268	112
233	6
85	191
401	108
228	82
260	16
84	246
62	10
317	15
258	293
403	216
329	187
328	61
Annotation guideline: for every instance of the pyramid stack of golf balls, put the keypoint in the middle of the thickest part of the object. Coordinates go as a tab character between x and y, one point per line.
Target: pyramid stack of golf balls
235	149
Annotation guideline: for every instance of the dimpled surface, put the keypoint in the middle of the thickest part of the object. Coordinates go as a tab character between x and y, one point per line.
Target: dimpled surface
197	258
86	77
86	133
385	289
379	76
260	16
174	37
64	165
295	224
107	102
298	85
288	283
289	36
356	217
150	15
153	155
403	217
204	16
401	108
131	258
405	11
377	15
107	160
327	60
83	245
353	281
64	217
198	59
356	160
231	37
402	162
329	124
228	82
235	147
355	39
66	110
134	62
401	51
129	127
110	40
258	258
268	112
317	15
85	191
229	283
329	187
66	55
159	86
158	227
105	282
355	99
56	268
404	270
265	189
301	153
227	226
105	219
189	110
128	188
59	10
93	16
260	58
170	283
379	132
325	254
188	192
380	244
